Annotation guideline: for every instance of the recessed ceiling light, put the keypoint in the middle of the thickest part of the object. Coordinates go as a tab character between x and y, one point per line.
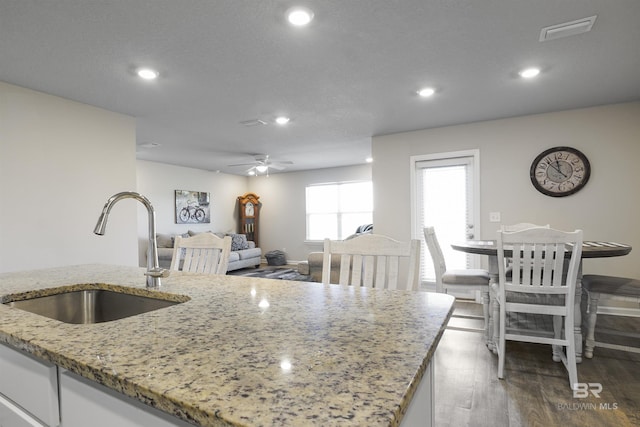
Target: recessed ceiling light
299	16
529	73
369	160
147	73
426	92
282	120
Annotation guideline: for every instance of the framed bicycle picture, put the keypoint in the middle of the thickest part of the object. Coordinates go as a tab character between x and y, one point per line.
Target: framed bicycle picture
192	207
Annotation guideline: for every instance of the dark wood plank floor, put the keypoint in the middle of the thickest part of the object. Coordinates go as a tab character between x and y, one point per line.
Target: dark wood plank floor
535	391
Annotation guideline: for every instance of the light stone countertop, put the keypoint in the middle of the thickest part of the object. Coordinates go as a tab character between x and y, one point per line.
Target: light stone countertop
243	351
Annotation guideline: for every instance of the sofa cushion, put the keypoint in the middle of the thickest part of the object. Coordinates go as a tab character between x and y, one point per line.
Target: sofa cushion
249	253
239	242
192	233
234	256
164	240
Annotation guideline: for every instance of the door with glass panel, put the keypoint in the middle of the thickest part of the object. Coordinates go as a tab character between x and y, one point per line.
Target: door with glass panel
445	197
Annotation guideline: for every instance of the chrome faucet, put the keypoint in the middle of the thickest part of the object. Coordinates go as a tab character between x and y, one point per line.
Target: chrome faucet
154	272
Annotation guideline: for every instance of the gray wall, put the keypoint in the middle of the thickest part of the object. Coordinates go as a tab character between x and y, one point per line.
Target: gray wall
606	209
59	162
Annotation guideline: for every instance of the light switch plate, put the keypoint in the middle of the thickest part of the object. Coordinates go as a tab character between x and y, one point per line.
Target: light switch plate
494	216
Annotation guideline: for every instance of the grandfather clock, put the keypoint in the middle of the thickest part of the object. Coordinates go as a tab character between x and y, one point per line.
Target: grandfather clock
249	210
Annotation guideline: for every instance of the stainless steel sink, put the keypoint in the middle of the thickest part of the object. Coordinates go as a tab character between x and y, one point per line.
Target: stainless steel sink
91	306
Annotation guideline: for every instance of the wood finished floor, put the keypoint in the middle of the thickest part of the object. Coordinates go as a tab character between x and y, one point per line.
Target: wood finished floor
535	391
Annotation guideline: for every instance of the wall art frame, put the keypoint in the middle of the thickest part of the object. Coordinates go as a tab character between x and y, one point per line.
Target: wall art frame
192	207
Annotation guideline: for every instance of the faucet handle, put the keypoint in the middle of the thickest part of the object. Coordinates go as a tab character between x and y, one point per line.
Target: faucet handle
158	272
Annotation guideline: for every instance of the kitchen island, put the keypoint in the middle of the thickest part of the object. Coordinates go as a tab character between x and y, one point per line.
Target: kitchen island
243	351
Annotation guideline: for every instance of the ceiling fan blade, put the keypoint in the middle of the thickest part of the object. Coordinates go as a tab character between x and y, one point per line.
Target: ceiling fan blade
276	166
244	164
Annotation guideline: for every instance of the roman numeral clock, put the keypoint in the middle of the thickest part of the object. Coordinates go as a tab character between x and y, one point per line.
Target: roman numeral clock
249	212
560	171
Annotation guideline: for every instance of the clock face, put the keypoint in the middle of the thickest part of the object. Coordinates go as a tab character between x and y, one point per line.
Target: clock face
560	171
248	209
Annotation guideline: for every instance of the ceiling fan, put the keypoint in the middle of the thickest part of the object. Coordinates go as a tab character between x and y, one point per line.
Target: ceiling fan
262	164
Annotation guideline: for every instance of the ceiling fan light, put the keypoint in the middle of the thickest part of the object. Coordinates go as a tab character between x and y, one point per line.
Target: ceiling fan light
282	120
262	168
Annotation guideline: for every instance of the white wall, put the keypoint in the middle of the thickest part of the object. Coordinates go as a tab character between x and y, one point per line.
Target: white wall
606	209
59	162
158	182
283	212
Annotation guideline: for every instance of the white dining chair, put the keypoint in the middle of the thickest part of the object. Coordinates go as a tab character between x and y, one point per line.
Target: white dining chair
203	253
522	226
470	279
519	227
623	288
543	283
372	260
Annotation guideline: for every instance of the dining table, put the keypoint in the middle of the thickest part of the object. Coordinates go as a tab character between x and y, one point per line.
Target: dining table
590	249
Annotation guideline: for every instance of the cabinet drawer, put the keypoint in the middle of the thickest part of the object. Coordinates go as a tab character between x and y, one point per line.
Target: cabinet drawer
13	416
30	383
86	403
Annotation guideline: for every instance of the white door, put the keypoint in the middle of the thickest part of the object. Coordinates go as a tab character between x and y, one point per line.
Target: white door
446	197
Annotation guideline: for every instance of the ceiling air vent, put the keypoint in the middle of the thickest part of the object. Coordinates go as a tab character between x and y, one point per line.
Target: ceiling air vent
567	29
253	122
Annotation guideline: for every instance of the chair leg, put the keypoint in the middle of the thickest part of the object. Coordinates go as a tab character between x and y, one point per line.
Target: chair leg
485	312
592	315
557	334
495	322
500	344
571	359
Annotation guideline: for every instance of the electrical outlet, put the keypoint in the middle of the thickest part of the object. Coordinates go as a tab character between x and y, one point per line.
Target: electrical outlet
494	216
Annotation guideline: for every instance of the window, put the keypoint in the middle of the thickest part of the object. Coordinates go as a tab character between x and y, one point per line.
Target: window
336	210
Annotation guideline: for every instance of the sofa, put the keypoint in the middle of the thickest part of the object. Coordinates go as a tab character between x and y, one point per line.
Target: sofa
313	265
243	252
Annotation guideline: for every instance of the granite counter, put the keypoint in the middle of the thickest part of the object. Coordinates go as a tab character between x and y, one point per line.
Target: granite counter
243	351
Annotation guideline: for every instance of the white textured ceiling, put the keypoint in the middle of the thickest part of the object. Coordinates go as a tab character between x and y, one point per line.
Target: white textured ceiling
350	75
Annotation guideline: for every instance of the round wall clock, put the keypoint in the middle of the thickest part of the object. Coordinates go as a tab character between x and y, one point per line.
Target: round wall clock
560	171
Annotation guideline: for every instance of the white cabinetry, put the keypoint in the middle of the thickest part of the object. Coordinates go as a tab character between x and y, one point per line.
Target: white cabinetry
86	403
29	398
28	390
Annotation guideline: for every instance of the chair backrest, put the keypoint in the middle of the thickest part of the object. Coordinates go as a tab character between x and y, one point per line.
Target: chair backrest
437	257
202	253
372	260
522	226
540	261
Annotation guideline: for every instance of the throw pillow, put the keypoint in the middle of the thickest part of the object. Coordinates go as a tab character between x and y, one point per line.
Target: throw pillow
239	242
